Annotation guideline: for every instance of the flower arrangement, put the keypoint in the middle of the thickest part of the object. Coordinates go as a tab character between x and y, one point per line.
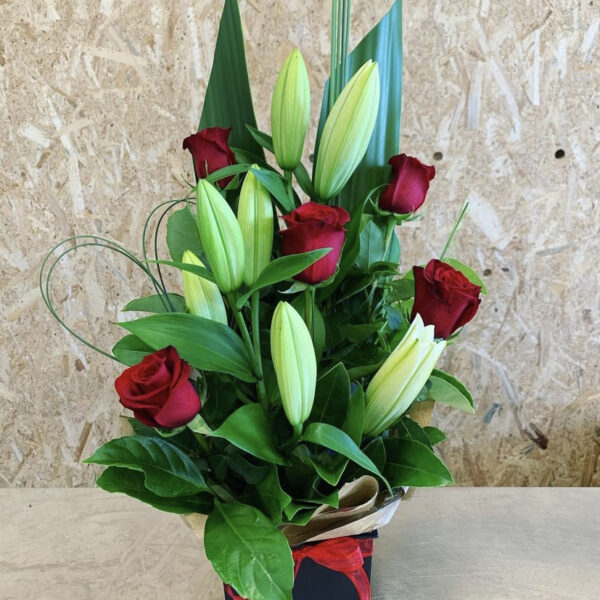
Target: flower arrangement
298	360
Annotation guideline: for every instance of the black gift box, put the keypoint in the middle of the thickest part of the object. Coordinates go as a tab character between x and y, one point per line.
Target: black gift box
315	581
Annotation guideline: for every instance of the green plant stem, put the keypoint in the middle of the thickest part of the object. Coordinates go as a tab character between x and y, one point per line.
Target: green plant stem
262	393
202	443
389	232
334	54
454	229
287	175
309	306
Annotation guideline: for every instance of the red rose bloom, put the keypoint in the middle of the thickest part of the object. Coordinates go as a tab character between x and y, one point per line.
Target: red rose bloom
408	187
444	297
313	226
158	390
210	152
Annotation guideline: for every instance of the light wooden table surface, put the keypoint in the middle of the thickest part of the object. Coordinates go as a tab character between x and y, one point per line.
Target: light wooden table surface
443	544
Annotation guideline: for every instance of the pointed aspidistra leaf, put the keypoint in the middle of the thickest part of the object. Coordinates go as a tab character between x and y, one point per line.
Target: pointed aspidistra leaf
127	481
168	471
383	44
207	345
249	552
409	462
228	99
249	429
446	389
182	234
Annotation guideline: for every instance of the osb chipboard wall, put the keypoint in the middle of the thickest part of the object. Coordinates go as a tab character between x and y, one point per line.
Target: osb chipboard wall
95	99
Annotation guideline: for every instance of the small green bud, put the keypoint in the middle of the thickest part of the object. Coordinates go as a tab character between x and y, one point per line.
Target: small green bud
202	297
295	363
290	111
401	377
221	237
347	131
255	216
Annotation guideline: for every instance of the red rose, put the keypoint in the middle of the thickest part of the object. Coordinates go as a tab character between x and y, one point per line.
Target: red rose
313	226
444	297
158	390
210	152
408	187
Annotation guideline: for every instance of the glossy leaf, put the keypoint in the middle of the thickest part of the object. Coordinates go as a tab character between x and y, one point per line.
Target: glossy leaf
182	234
190	268
409	462
434	434
207	345
446	389
249	552
156	304
332	397
249	429
126	481
354	423
167	470
228	100
273	182
271	495
130	350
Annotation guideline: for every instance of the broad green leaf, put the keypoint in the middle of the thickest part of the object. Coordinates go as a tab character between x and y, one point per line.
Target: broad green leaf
355	419
274	183
228	100
282	268
167	470
195	269
335	439
332	397
382	44
302	517
409	462
261	138
249	429
448	390
414	431
357	334
238	463
249	552
330	468
304	180
332	499
127	481
434	434
271	495
156	304
227	172
130	350
375	450
373	249
207	345
469	273
182	234
293	508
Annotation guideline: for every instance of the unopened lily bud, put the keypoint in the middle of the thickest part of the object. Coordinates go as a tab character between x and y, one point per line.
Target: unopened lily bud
255	216
202	297
290	111
221	237
401	377
295	363
347	131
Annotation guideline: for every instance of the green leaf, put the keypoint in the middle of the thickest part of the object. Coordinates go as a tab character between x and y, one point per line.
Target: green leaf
446	389
182	234
261	138
227	172
207	345
274	183
467	272
156	304
167	470
382	44
282	268
249	552
228	100
130	350
332	397
195	269
127	481
335	439
355	419
414	431
373	249
434	434
357	334
271	495
249	429
304	180
409	462
329	468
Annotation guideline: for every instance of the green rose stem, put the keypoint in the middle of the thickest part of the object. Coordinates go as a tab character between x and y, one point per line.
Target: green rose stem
309	306
262	394
239	319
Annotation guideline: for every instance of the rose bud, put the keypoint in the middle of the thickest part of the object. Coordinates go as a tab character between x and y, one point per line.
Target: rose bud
347	131
444	297
210	152
295	363
408	186
158	390
290	111
255	216
221	237
313	226
401	377
202	297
